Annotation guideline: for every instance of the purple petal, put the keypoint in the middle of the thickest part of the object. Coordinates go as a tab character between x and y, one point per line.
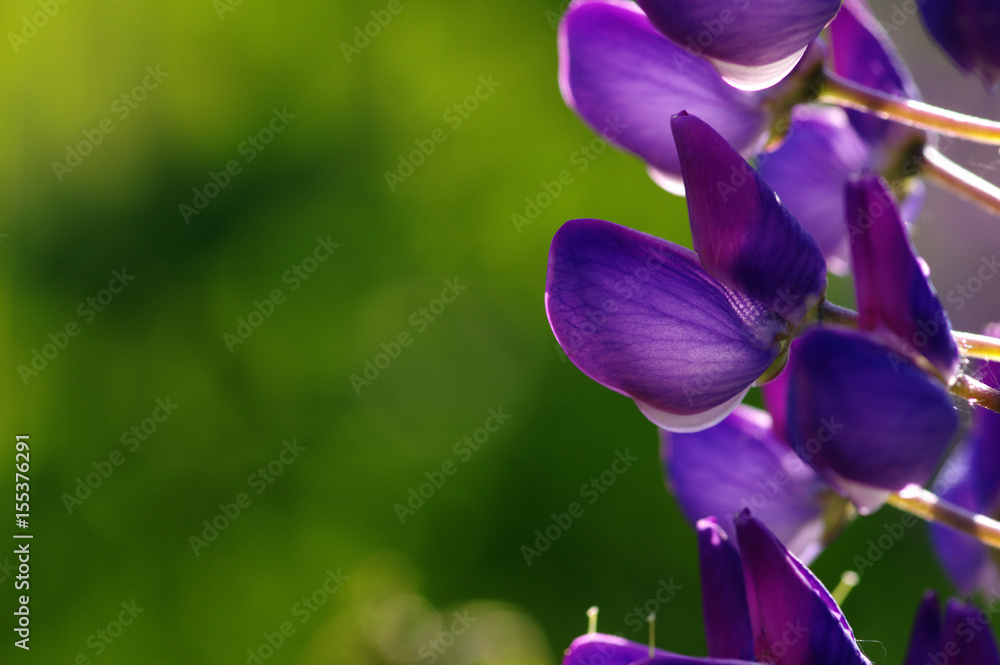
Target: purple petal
793	616
861	415
967	561
727	620
625	80
967	31
971	479
925	638
600	649
743	235
893	292
753	43
823	138
862	52
775	396
641	316
741	465
968	628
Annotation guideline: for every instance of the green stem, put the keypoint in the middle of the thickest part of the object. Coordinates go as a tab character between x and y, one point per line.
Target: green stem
837	90
949	175
917	501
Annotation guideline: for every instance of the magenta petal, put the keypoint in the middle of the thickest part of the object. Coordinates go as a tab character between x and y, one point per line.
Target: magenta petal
727	620
861	415
641	316
753	43
743	235
793	616
893	292
739	465
625	80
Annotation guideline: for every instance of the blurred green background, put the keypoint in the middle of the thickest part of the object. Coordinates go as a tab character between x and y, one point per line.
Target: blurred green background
448	583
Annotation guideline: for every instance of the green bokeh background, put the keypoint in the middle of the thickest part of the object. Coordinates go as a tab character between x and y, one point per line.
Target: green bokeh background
333	507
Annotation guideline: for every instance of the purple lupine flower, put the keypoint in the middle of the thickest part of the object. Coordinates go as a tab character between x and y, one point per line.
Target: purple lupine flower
753	44
685	334
841	143
761	604
762	475
971	479
869	409
625	79
964	639
967	31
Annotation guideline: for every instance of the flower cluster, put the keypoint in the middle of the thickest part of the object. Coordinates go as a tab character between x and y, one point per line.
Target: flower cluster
797	137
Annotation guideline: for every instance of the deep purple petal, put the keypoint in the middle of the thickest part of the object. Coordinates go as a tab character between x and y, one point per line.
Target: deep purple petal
862	52
969	629
753	43
967	561
984	445
971	479
625	80
967	31
925	638
727	620
600	649
775	396
893	292
823	138
743	235
641	316
740	464
794	618
860	414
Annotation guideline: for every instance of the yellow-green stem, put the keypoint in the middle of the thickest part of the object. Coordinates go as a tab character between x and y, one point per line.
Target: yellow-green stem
917	501
843	92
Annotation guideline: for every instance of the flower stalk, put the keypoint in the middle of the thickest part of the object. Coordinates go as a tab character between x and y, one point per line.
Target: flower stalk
837	90
927	506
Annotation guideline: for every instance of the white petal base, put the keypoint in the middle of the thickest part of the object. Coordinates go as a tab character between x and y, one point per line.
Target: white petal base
756	77
696	422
